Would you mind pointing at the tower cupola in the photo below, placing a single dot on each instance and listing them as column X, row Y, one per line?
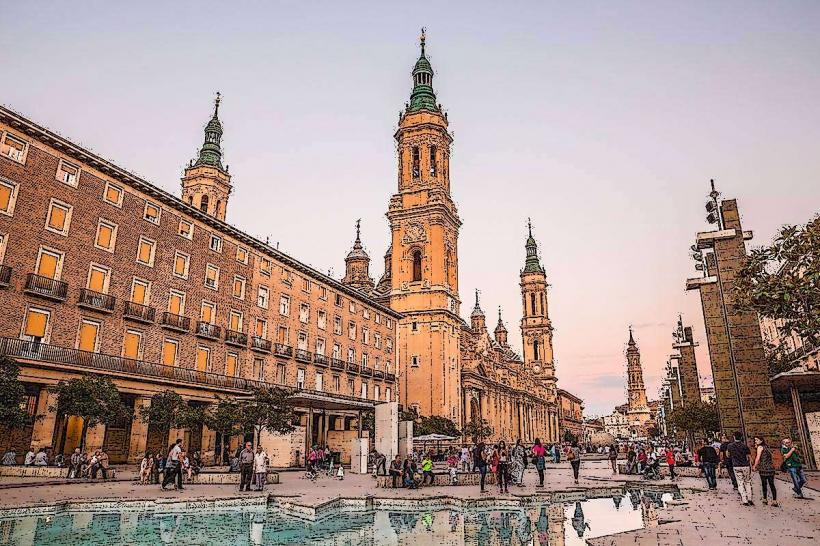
column 500, row 330
column 477, row 319
column 357, row 265
column 423, row 97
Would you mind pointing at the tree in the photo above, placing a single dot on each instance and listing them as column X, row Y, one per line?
column 270, row 409
column 478, row 430
column 435, row 424
column 94, row 398
column 12, row 396
column 224, row 417
column 569, row 436
column 695, row 417
column 782, row 280
column 169, row 410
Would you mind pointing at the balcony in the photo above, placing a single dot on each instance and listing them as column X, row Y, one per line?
column 337, row 364
column 367, row 371
column 96, row 301
column 260, row 344
column 303, row 356
column 232, row 337
column 138, row 312
column 5, row 275
column 320, row 360
column 46, row 287
column 352, row 367
column 390, row 377
column 208, row 330
column 175, row 322
column 280, row 349
column 378, row 374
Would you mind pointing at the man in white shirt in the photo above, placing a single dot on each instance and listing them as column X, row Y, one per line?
column 29, row 458
column 260, row 467
column 173, row 466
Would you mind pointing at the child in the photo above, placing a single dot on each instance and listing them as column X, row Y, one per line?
column 452, row 464
column 340, row 473
column 145, row 468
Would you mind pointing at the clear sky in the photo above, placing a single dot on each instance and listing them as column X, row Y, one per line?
column 603, row 123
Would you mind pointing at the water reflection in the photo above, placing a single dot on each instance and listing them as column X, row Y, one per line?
column 558, row 524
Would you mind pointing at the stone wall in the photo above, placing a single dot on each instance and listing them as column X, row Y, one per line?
column 282, row 448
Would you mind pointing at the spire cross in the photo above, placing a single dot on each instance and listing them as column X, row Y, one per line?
column 529, row 225
column 499, row 313
column 216, row 103
column 423, row 39
column 476, row 297
column 358, row 226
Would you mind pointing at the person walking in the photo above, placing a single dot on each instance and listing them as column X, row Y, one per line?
column 539, row 455
column 74, row 463
column 740, row 454
column 173, row 466
column 395, row 471
column 518, row 459
column 726, row 460
column 574, row 457
column 709, row 459
column 260, row 467
column 480, row 463
column 613, row 458
column 465, row 459
column 145, row 468
column 502, row 457
column 670, row 462
column 381, row 463
column 794, row 465
column 103, row 460
column 764, row 466
column 246, row 467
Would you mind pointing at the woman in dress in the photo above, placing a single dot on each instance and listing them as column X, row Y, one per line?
column 539, row 455
column 764, row 466
column 502, row 467
column 517, row 458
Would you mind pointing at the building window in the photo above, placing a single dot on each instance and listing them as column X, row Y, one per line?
column 300, row 378
column 262, row 296
column 203, row 358
column 140, row 291
column 364, row 390
column 304, row 313
column 337, row 325
column 321, row 319
column 352, row 307
column 389, row 345
column 284, row 305
column 88, row 336
column 365, row 336
column 152, row 213
column 4, row 239
column 231, row 368
column 186, row 229
column 323, row 293
column 132, row 345
column 532, row 303
column 390, row 323
column 414, row 361
column 281, row 378
column 337, row 383
column 242, row 255
column 414, row 326
column 416, row 265
column 351, row 330
column 208, row 312
column 261, row 329
column 68, row 173
column 258, row 369
column 113, row 194
column 235, row 321
column 378, row 318
column 351, row 386
column 387, row 394
column 283, row 336
column 50, row 263
column 8, row 197
column 364, row 360
column 170, row 350
column 287, row 277
column 337, row 351
column 535, row 350
column 239, row 287
column 301, row 341
column 35, row 327
column 212, row 277
column 377, row 392
column 176, row 302
column 306, row 285
column 366, row 313
column 338, row 300
column 98, row 278
column 320, row 346
column 377, row 340
column 265, row 266
column 181, row 264
column 432, row 161
column 215, row 243
column 319, row 381
column 106, row 238
column 15, row 148
column 351, row 355
column 416, row 170
column 58, row 217
column 145, row 251
column 203, row 203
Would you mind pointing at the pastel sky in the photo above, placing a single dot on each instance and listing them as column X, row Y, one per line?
column 604, row 123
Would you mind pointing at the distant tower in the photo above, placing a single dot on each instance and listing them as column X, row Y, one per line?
column 207, row 184
column 477, row 319
column 536, row 328
column 500, row 331
column 357, row 265
column 687, row 363
column 638, row 412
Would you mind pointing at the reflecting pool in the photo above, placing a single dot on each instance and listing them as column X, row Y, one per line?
column 533, row 523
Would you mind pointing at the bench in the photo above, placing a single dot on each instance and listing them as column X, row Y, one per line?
column 442, row 478
column 683, row 471
column 213, row 478
column 56, row 472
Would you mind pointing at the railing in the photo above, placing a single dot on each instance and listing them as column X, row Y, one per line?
column 139, row 312
column 353, row 368
column 236, row 338
column 208, row 330
column 378, row 374
column 390, row 377
column 46, row 287
column 260, row 344
column 96, row 300
column 175, row 322
column 303, row 356
column 5, row 275
column 337, row 364
column 366, row 370
column 320, row 360
column 280, row 349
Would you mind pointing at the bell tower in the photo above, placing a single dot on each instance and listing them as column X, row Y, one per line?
column 357, row 265
column 536, row 328
column 424, row 258
column 206, row 184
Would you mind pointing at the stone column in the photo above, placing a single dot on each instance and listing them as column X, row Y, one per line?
column 139, row 431
column 208, row 452
column 688, row 368
column 173, row 434
column 94, row 438
column 43, row 432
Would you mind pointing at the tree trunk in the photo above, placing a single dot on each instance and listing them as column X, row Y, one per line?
column 82, row 434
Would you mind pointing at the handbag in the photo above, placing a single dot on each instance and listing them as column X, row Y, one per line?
column 570, row 455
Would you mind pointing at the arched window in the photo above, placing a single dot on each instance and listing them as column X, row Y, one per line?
column 218, row 208
column 432, row 161
column 416, row 170
column 417, row 265
column 203, row 203
column 532, row 303
column 535, row 350
column 541, row 297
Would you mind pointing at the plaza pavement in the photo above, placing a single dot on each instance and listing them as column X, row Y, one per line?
column 711, row 517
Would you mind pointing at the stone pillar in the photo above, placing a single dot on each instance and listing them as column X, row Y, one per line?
column 43, row 433
column 173, row 434
column 308, row 434
column 208, row 452
column 387, row 429
column 94, row 438
column 139, row 431
column 688, row 368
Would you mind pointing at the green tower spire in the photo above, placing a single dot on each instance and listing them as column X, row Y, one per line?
column 423, row 97
column 211, row 152
column 532, row 264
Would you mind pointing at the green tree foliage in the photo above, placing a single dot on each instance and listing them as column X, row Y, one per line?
column 270, row 409
column 169, row 410
column 569, row 436
column 12, row 396
column 478, row 430
column 782, row 280
column 94, row 398
column 435, row 425
column 696, row 417
column 224, row 417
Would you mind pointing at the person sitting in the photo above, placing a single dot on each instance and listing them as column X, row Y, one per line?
column 145, row 468
column 59, row 460
column 41, row 459
column 396, row 470
column 427, row 470
column 452, row 465
column 10, row 458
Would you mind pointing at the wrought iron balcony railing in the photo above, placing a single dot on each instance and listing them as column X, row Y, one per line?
column 46, row 287
column 280, row 349
column 175, row 322
column 337, row 364
column 5, row 275
column 139, row 312
column 320, row 360
column 208, row 330
column 303, row 356
column 260, row 344
column 96, row 300
column 233, row 337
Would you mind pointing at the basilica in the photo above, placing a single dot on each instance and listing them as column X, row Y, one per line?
column 448, row 366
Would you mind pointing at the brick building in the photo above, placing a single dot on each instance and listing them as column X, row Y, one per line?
column 105, row 273
column 570, row 415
